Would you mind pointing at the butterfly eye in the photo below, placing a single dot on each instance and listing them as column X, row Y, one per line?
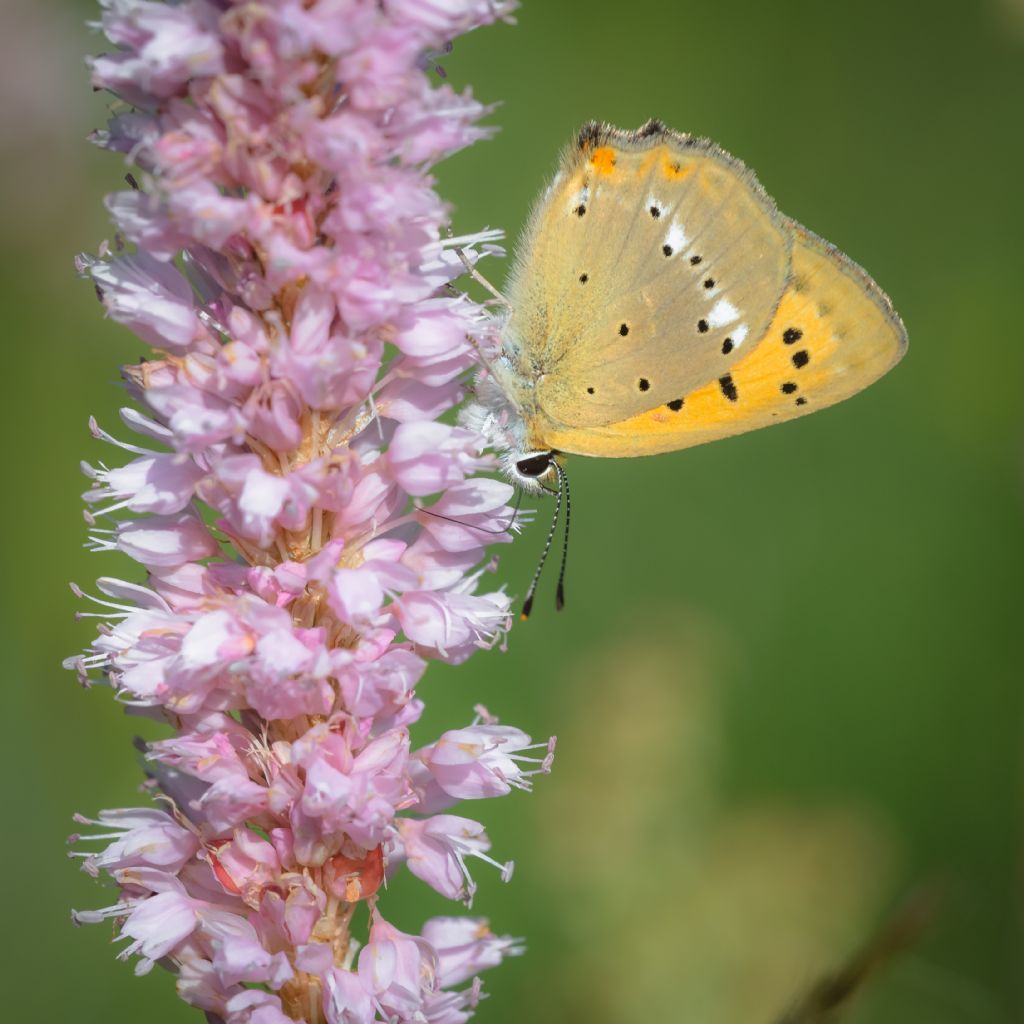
column 535, row 465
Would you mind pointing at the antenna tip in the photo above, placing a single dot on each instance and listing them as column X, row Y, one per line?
column 559, row 598
column 527, row 605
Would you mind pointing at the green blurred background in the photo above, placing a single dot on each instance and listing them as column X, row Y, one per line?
column 786, row 686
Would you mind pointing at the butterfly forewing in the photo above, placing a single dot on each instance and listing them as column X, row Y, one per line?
column 656, row 261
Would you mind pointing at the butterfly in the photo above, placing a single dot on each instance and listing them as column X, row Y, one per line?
column 658, row 300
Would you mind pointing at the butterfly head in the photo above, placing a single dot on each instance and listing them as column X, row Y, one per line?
column 535, row 472
column 494, row 415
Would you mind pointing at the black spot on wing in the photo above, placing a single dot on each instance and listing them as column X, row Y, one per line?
column 801, row 358
column 675, row 405
column 728, row 387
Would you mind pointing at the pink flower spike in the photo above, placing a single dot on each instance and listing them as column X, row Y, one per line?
column 308, row 531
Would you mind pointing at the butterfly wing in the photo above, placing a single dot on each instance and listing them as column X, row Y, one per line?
column 648, row 268
column 833, row 334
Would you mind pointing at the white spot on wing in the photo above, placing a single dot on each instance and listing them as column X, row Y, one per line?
column 723, row 312
column 676, row 237
column 739, row 335
column 580, row 199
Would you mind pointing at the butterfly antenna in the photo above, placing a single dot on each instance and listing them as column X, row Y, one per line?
column 528, row 603
column 563, row 482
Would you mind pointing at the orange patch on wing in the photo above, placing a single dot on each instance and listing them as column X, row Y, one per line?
column 758, row 377
column 673, row 168
column 603, row 159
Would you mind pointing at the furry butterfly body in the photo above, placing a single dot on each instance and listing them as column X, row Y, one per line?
column 660, row 300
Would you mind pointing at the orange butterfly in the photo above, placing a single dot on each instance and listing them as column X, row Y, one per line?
column 660, row 300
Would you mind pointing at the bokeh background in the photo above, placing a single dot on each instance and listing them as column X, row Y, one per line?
column 787, row 683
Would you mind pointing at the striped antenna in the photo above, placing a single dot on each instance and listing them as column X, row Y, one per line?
column 563, row 484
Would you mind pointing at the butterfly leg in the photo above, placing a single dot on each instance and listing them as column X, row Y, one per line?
column 478, row 277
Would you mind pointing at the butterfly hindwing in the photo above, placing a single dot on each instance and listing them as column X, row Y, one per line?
column 655, row 260
column 834, row 333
